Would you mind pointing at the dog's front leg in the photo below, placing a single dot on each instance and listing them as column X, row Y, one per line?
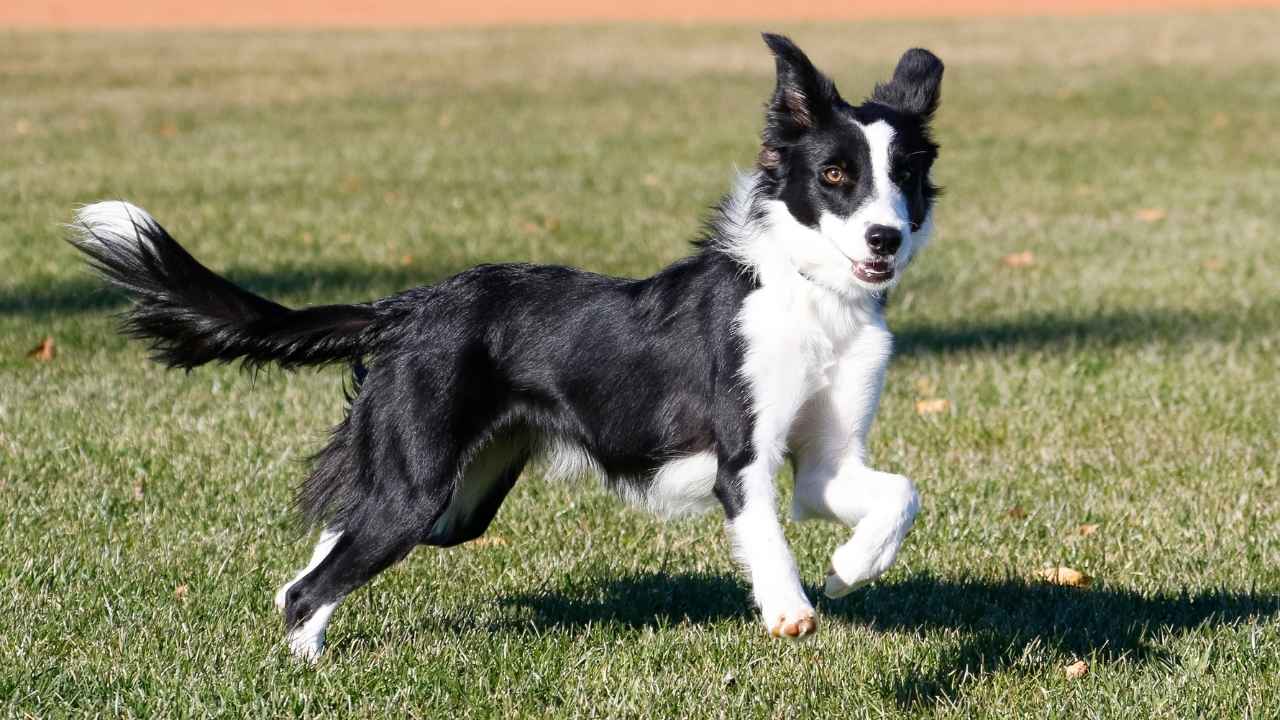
column 880, row 506
column 749, row 454
column 759, row 544
column 832, row 478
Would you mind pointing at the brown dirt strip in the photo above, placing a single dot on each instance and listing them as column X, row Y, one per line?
column 86, row 14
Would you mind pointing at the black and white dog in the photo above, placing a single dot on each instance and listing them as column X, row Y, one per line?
column 684, row 390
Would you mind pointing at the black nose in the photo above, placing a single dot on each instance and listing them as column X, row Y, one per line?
column 883, row 240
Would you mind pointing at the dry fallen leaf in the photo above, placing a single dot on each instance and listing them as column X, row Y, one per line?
column 650, row 180
column 933, row 406
column 180, row 592
column 43, row 352
column 1213, row 263
column 488, row 541
column 1087, row 529
column 168, row 129
column 1150, row 215
column 22, row 126
column 406, row 260
column 1017, row 512
column 1019, row 259
column 926, row 387
column 1066, row 577
column 1077, row 670
column 1220, row 120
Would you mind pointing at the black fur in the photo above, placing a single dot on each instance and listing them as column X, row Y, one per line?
column 191, row 316
column 617, row 367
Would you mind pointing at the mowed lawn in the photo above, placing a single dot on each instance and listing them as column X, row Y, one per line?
column 1113, row 397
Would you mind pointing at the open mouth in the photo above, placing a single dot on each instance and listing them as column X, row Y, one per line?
column 874, row 271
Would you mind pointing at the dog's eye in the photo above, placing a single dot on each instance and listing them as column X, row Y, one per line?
column 906, row 177
column 833, row 175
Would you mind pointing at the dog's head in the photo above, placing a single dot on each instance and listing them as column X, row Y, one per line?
column 847, row 187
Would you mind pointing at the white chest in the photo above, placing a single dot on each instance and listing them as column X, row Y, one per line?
column 796, row 336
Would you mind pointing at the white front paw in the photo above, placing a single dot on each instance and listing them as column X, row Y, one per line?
column 796, row 623
column 851, row 568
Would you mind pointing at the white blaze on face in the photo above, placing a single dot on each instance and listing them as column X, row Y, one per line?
column 889, row 206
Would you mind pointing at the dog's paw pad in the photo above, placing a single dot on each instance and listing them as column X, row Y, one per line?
column 795, row 625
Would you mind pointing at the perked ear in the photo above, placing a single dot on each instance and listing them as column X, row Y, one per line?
column 804, row 96
column 915, row 87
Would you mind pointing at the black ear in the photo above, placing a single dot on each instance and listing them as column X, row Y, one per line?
column 804, row 96
column 916, row 83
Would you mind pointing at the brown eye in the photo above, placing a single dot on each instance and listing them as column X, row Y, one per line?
column 833, row 175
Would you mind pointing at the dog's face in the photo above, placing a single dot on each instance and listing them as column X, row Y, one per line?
column 847, row 187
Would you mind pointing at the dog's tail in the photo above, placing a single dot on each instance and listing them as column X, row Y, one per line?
column 191, row 315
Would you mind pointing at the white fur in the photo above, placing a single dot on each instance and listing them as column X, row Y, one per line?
column 782, row 326
column 761, row 547
column 567, row 460
column 794, row 333
column 328, row 538
column 884, row 506
column 114, row 222
column 832, row 479
column 683, row 486
column 306, row 641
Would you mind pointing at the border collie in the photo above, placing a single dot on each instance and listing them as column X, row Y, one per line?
column 684, row 390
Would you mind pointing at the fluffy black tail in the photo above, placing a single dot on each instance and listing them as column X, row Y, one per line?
column 191, row 316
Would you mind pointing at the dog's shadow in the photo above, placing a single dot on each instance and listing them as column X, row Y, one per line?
column 1000, row 624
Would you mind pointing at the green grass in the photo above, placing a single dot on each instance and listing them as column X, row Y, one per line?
column 1129, row 378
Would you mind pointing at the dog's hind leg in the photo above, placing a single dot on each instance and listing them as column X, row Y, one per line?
column 387, row 474
column 489, row 475
column 419, row 460
column 328, row 538
column 355, row 558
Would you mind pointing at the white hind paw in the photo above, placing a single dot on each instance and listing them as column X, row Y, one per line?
column 306, row 641
column 306, row 647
